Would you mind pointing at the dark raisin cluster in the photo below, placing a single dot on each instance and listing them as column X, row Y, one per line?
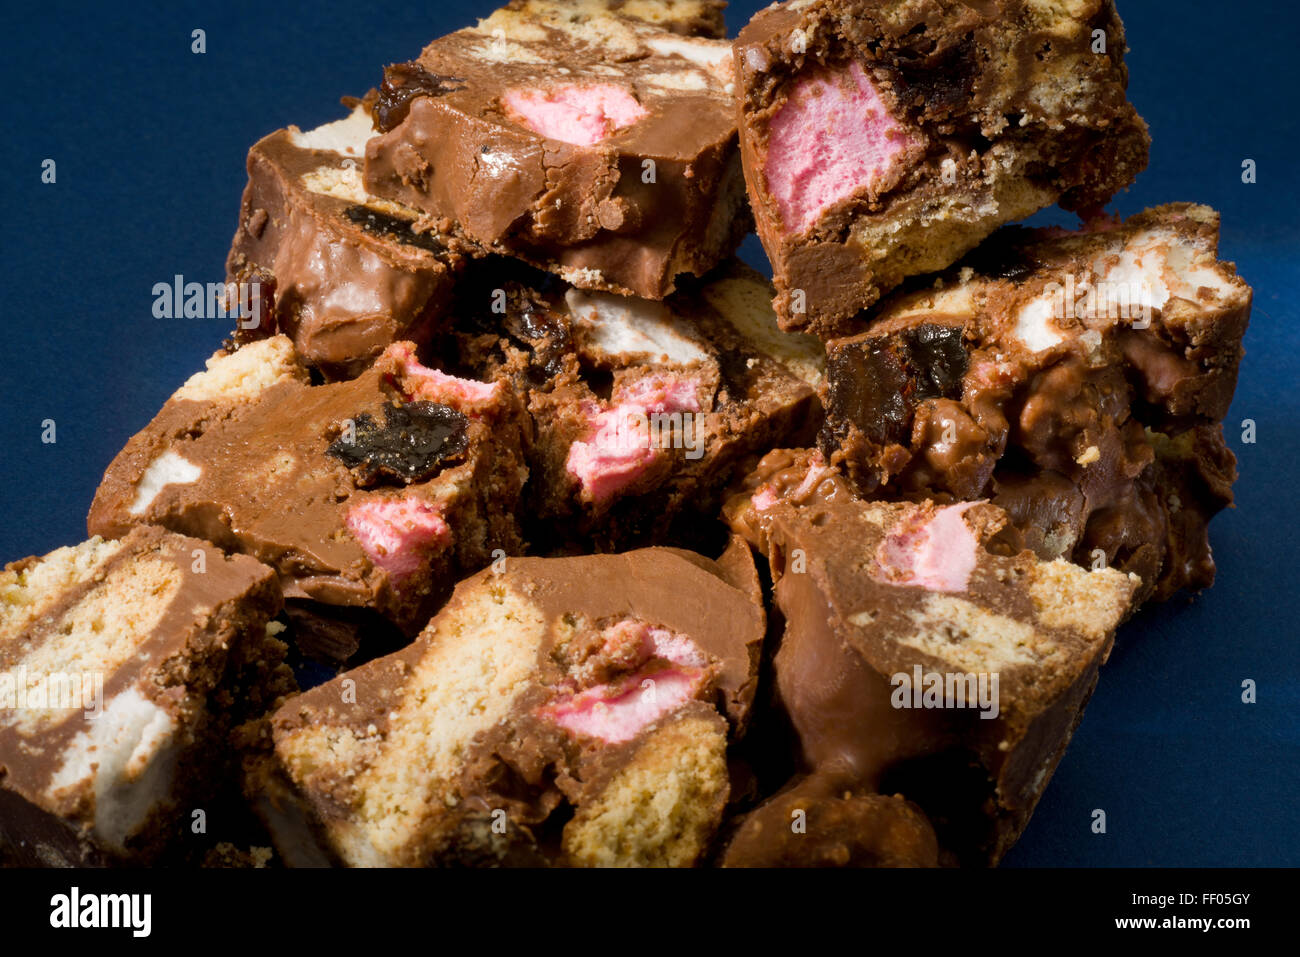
column 416, row 441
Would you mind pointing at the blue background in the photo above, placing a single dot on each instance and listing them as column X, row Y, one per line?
column 150, row 141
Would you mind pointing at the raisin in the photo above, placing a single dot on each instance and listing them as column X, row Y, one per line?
column 875, row 383
column 868, row 385
column 939, row 360
column 537, row 328
column 402, row 83
column 416, row 441
column 390, row 227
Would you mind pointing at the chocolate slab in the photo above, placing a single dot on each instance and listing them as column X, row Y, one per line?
column 602, row 149
column 600, row 687
column 373, row 493
column 124, row 669
column 881, row 141
column 925, row 653
column 1056, row 373
column 345, row 274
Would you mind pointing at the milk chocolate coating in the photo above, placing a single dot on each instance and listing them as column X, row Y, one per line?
column 657, row 198
column 979, row 86
column 847, row 633
column 349, row 277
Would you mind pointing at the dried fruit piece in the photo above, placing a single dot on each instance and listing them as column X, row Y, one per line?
column 415, row 442
column 402, row 83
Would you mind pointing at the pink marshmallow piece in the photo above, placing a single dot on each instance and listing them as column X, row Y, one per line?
column 936, row 553
column 615, row 457
column 832, row 137
column 398, row 534
column 661, row 393
column 619, row 711
column 466, row 395
column 676, row 648
column 581, row 114
column 619, row 448
column 448, row 389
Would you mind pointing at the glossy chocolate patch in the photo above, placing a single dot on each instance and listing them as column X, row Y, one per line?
column 938, row 359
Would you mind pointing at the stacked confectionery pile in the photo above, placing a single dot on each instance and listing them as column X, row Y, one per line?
column 488, row 474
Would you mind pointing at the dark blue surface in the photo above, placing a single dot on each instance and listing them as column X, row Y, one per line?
column 150, row 140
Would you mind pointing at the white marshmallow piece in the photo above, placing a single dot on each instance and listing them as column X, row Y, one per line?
column 622, row 327
column 167, row 469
